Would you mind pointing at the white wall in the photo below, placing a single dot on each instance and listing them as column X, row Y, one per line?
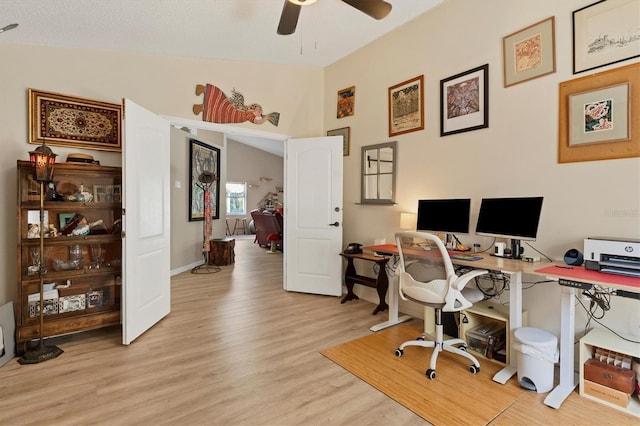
column 165, row 85
column 515, row 156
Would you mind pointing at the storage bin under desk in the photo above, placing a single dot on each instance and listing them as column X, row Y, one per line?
column 487, row 312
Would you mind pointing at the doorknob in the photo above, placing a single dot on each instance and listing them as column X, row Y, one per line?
column 336, row 224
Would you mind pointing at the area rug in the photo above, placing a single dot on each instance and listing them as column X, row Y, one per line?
column 455, row 396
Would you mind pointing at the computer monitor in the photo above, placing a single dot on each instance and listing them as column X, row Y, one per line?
column 450, row 216
column 516, row 218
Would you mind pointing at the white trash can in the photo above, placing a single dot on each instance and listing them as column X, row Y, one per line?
column 537, row 353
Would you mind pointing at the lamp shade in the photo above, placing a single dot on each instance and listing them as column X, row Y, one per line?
column 43, row 159
column 408, row 220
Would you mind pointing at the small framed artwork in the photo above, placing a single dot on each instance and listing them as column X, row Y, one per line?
column 64, row 219
column 604, row 33
column 344, row 132
column 107, row 193
column 464, row 101
column 64, row 120
column 203, row 158
column 600, row 115
column 406, row 106
column 346, row 102
column 529, row 53
column 596, row 119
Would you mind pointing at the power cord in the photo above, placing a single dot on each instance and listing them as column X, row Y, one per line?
column 591, row 317
column 548, row 258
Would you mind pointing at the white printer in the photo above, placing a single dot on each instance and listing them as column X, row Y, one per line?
column 613, row 255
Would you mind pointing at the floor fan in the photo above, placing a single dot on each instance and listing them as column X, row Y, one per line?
column 205, row 180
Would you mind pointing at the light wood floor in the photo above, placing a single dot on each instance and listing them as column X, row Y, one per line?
column 235, row 350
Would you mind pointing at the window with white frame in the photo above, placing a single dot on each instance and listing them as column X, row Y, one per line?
column 236, row 198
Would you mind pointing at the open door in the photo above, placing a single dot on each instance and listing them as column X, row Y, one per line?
column 313, row 215
column 146, row 283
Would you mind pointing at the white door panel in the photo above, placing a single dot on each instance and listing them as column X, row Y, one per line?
column 146, row 284
column 313, row 215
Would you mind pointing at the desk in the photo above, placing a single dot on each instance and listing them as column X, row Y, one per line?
column 511, row 267
column 577, row 275
column 380, row 283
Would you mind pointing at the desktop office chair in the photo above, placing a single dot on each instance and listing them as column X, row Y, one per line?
column 426, row 276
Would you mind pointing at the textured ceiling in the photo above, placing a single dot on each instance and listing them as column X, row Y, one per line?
column 243, row 30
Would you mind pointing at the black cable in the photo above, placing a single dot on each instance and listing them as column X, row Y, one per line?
column 596, row 320
column 548, row 258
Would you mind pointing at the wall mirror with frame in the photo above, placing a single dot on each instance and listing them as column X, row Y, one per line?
column 379, row 174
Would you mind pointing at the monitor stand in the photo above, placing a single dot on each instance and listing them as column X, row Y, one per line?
column 516, row 249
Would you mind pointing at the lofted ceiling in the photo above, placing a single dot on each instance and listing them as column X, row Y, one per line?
column 242, row 30
column 234, row 30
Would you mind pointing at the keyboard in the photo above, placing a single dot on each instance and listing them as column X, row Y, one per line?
column 465, row 257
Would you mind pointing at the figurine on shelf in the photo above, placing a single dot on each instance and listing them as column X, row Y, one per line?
column 52, row 193
column 53, row 231
column 34, row 231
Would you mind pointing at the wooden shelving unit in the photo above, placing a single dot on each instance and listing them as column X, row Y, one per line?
column 597, row 338
column 83, row 271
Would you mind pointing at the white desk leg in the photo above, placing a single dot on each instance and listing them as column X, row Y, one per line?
column 392, row 297
column 567, row 334
column 515, row 321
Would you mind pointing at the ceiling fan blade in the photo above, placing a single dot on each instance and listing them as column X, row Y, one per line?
column 289, row 18
column 8, row 27
column 377, row 9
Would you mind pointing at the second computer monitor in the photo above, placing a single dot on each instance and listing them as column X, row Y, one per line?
column 450, row 216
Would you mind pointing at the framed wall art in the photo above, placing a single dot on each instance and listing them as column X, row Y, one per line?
column 64, row 120
column 596, row 116
column 529, row 53
column 346, row 143
column 346, row 102
column 464, row 101
column 406, row 106
column 203, row 158
column 604, row 33
column 64, row 219
column 107, row 193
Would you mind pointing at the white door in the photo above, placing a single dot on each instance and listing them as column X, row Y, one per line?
column 146, row 283
column 313, row 215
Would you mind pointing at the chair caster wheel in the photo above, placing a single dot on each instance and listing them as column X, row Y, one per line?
column 463, row 348
column 474, row 369
column 420, row 338
column 399, row 352
column 431, row 374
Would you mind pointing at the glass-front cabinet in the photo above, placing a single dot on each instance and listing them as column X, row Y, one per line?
column 82, row 250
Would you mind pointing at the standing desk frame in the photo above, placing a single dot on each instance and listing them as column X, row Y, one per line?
column 511, row 267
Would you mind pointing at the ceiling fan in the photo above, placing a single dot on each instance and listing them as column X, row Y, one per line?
column 8, row 27
column 377, row 9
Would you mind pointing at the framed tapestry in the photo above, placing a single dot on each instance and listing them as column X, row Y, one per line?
column 464, row 101
column 346, row 102
column 604, row 33
column 529, row 53
column 596, row 116
column 64, row 120
column 346, row 143
column 203, row 158
column 406, row 106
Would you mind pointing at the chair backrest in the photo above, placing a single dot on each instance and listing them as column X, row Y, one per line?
column 426, row 274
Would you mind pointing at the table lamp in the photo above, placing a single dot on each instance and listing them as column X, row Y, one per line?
column 408, row 221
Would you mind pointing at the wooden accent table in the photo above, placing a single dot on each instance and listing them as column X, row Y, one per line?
column 222, row 251
column 381, row 283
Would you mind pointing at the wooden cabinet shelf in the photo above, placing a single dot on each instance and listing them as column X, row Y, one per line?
column 82, row 273
column 487, row 313
column 597, row 338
